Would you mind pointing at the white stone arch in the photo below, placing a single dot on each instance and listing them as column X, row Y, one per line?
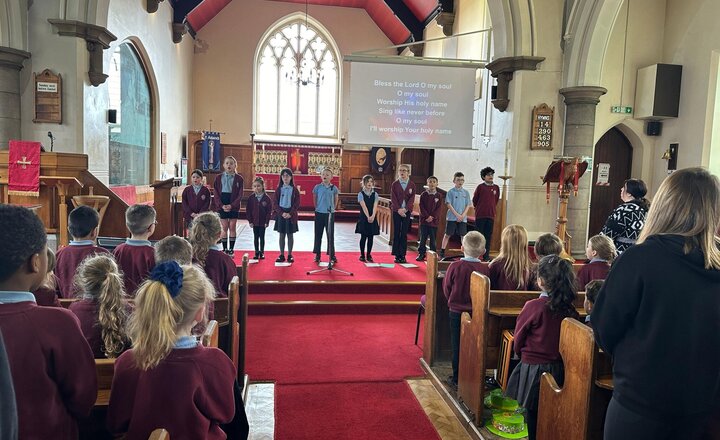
column 13, row 24
column 514, row 27
column 85, row 11
column 587, row 34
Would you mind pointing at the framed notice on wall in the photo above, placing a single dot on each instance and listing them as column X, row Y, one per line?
column 541, row 136
column 48, row 97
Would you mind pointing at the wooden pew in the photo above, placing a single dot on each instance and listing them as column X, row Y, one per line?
column 436, row 336
column 481, row 336
column 577, row 410
column 384, row 218
column 159, row 434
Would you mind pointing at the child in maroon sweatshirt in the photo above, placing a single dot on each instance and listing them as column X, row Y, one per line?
column 52, row 367
column 430, row 203
column 402, row 198
column 83, row 226
column 136, row 257
column 167, row 379
column 601, row 253
column 456, row 286
column 259, row 211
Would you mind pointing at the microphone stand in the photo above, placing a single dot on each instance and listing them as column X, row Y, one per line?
column 331, row 247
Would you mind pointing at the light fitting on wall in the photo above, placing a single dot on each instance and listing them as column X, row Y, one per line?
column 305, row 71
column 666, row 155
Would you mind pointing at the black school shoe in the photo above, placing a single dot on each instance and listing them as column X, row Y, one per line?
column 317, row 258
column 333, row 259
column 370, row 258
column 420, row 257
column 280, row 259
column 362, row 258
column 290, row 258
column 261, row 255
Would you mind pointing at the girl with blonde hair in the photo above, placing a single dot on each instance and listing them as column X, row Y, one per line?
column 204, row 235
column 658, row 315
column 46, row 294
column 167, row 379
column 228, row 189
column 102, row 308
column 600, row 252
column 511, row 269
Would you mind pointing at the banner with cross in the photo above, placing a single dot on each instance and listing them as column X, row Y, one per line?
column 24, row 168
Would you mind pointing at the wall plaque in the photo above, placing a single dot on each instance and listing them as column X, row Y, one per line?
column 542, row 127
column 48, row 97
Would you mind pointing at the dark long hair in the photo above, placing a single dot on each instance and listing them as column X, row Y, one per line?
column 285, row 171
column 559, row 281
column 637, row 189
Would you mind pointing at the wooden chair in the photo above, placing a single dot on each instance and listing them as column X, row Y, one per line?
column 564, row 412
column 98, row 203
column 159, row 434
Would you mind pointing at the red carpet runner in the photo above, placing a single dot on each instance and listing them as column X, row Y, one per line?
column 340, row 376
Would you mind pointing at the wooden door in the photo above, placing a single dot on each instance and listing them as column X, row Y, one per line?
column 613, row 148
column 422, row 162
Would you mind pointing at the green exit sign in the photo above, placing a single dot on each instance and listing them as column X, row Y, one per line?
column 621, row 109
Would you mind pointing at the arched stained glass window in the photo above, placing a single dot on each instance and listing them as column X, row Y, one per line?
column 297, row 79
column 131, row 134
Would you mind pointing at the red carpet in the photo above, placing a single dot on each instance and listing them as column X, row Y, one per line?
column 332, row 348
column 356, row 411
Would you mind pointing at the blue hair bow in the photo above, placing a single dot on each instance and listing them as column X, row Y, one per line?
column 170, row 274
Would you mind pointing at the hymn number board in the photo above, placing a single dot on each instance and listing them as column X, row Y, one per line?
column 542, row 127
column 48, row 97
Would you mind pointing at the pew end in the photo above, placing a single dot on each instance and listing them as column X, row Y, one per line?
column 210, row 335
column 104, row 370
column 159, row 434
column 564, row 412
column 473, row 343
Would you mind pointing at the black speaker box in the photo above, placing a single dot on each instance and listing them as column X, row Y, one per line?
column 653, row 128
column 112, row 116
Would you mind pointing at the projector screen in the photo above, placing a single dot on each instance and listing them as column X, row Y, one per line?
column 411, row 105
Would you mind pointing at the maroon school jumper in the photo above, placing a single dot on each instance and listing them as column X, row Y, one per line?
column 430, row 205
column 221, row 269
column 259, row 212
column 195, row 203
column 398, row 195
column 485, row 200
column 456, row 284
column 294, row 204
column 190, row 393
column 235, row 197
column 499, row 281
column 46, row 297
column 87, row 312
column 537, row 333
column 52, row 367
column 68, row 260
column 136, row 259
column 594, row 270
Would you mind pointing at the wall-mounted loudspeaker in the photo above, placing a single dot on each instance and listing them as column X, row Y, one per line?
column 653, row 128
column 112, row 116
column 657, row 92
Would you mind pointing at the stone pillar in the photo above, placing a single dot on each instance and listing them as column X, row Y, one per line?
column 11, row 63
column 580, row 103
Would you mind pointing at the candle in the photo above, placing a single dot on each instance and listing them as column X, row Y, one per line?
column 507, row 155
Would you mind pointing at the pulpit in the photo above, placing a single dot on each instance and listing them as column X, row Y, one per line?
column 98, row 203
column 62, row 184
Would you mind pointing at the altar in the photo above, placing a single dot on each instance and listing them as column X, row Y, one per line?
column 306, row 162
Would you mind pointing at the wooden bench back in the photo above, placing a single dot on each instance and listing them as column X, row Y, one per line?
column 159, row 434
column 104, row 370
column 563, row 412
column 436, row 334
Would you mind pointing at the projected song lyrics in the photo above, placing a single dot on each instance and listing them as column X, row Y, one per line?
column 412, row 109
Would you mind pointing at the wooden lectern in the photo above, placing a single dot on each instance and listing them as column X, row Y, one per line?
column 62, row 184
column 165, row 193
column 565, row 171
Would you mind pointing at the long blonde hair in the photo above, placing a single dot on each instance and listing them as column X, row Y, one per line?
column 604, row 246
column 50, row 278
column 514, row 255
column 688, row 204
column 205, row 232
column 154, row 326
column 99, row 277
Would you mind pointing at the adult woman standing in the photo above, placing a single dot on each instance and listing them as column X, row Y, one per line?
column 658, row 315
column 625, row 223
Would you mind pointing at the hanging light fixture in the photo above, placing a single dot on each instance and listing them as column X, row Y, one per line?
column 302, row 72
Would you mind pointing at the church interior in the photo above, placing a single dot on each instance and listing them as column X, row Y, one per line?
column 564, row 100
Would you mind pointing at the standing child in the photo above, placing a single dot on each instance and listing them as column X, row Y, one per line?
column 83, row 227
column 325, row 198
column 485, row 201
column 367, row 225
column 259, row 211
column 46, row 294
column 457, row 200
column 430, row 204
column 173, row 248
column 287, row 202
column 136, row 257
column 167, row 379
column 228, row 190
column 102, row 308
column 195, row 198
column 219, row 267
column 537, row 335
column 402, row 199
column 511, row 269
column 601, row 253
column 51, row 363
column 456, row 286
